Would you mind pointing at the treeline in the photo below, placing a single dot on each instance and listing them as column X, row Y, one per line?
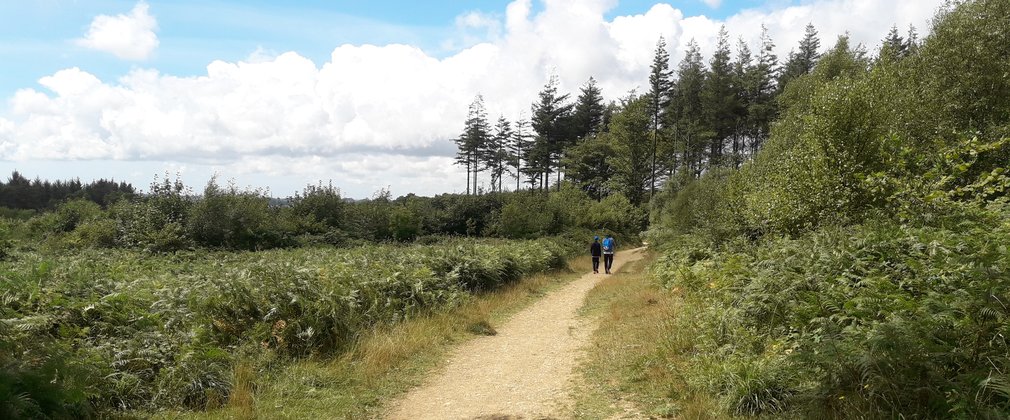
column 172, row 217
column 21, row 194
column 857, row 266
column 699, row 116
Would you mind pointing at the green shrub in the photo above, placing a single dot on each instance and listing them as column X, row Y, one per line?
column 322, row 205
column 404, row 224
column 100, row 233
column 526, row 216
column 233, row 219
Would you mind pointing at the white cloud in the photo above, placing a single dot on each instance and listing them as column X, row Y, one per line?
column 382, row 115
column 712, row 3
column 130, row 37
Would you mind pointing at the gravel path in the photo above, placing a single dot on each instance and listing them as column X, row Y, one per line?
column 523, row 372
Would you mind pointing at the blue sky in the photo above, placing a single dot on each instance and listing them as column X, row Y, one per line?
column 36, row 37
column 368, row 94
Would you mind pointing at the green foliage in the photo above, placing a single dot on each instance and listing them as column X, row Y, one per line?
column 67, row 217
column 587, row 165
column 322, row 208
column 615, row 214
column 94, row 331
column 535, row 214
column 629, row 134
column 233, row 219
column 856, row 267
column 875, row 320
column 157, row 222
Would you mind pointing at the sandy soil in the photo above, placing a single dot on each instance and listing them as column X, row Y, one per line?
column 523, row 372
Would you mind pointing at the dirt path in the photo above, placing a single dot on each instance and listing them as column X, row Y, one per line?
column 521, row 373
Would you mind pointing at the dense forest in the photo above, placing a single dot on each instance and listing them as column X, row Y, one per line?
column 18, row 193
column 832, row 229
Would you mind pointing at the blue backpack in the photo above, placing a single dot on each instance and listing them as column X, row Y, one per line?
column 608, row 244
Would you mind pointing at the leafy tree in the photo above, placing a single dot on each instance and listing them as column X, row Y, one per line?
column 318, row 209
column 404, row 224
column 588, row 165
column 233, row 219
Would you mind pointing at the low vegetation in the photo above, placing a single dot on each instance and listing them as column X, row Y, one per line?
column 169, row 300
column 98, row 330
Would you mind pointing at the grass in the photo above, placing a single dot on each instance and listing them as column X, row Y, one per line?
column 630, row 369
column 382, row 364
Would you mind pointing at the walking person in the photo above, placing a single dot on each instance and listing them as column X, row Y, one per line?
column 596, row 250
column 609, row 244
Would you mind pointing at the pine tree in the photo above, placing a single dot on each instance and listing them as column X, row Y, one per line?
column 761, row 107
column 476, row 135
column 499, row 155
column 911, row 41
column 803, row 61
column 589, row 111
column 550, row 122
column 686, row 111
column 742, row 69
column 519, row 150
column 629, row 135
column 893, row 48
column 719, row 100
column 659, row 99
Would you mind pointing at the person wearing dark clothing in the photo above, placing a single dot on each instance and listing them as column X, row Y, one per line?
column 609, row 245
column 596, row 250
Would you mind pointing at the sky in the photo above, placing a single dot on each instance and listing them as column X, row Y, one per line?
column 367, row 95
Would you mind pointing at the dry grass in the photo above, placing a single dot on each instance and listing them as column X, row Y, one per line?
column 630, row 371
column 241, row 401
column 384, row 362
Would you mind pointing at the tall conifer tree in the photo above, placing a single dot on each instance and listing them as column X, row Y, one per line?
column 659, row 99
column 589, row 110
column 761, row 108
column 550, row 119
column 499, row 152
column 476, row 135
column 802, row 61
column 686, row 109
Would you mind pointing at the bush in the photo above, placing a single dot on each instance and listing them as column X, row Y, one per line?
column 66, row 218
column 320, row 207
column 234, row 219
column 404, row 224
